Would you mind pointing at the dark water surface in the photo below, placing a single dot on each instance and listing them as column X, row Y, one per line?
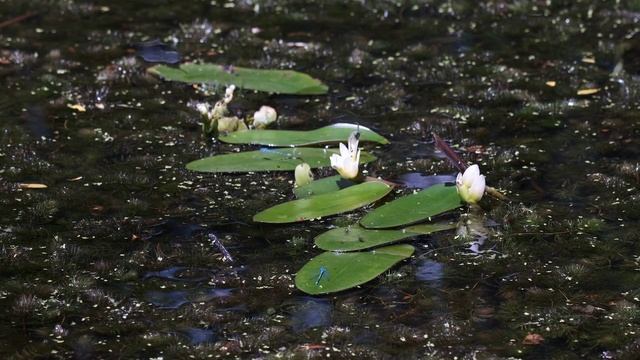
column 113, row 260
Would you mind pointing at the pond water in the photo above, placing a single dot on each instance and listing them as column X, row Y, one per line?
column 113, row 258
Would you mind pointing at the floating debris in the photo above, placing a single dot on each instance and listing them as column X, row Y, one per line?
column 77, row 107
column 32, row 186
column 533, row 339
column 589, row 91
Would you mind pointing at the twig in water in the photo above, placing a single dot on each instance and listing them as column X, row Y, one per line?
column 16, row 19
column 225, row 254
column 450, row 153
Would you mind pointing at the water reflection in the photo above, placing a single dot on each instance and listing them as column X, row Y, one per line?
column 180, row 273
column 176, row 299
column 420, row 181
column 199, row 336
column 310, row 313
column 430, row 272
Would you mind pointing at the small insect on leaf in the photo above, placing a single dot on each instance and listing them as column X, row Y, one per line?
column 322, row 272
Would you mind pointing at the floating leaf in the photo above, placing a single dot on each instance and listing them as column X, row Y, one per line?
column 319, row 206
column 273, row 81
column 267, row 159
column 328, row 134
column 413, row 208
column 357, row 238
column 336, row 271
column 322, row 186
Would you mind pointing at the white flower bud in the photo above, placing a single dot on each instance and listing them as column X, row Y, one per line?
column 263, row 117
column 471, row 184
column 303, row 174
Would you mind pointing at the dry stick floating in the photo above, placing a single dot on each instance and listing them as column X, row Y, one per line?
column 450, row 153
column 462, row 165
column 16, row 19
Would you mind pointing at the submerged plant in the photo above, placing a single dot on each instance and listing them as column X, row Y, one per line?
column 217, row 119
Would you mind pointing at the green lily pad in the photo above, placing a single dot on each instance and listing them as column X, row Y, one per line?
column 357, row 238
column 319, row 206
column 268, row 159
column 335, row 271
column 272, row 81
column 322, row 186
column 328, row 134
column 413, row 208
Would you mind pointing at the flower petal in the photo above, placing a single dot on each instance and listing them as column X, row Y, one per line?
column 354, row 138
column 477, row 189
column 470, row 175
column 336, row 161
column 344, row 151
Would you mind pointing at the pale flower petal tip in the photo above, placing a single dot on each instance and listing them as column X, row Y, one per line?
column 336, row 160
column 470, row 174
column 471, row 185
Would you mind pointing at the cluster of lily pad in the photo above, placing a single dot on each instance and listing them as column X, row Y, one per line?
column 354, row 254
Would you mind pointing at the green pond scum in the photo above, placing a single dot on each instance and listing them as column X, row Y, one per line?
column 104, row 234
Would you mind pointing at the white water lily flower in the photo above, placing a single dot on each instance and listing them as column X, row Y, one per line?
column 471, row 184
column 265, row 116
column 347, row 162
column 303, row 174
